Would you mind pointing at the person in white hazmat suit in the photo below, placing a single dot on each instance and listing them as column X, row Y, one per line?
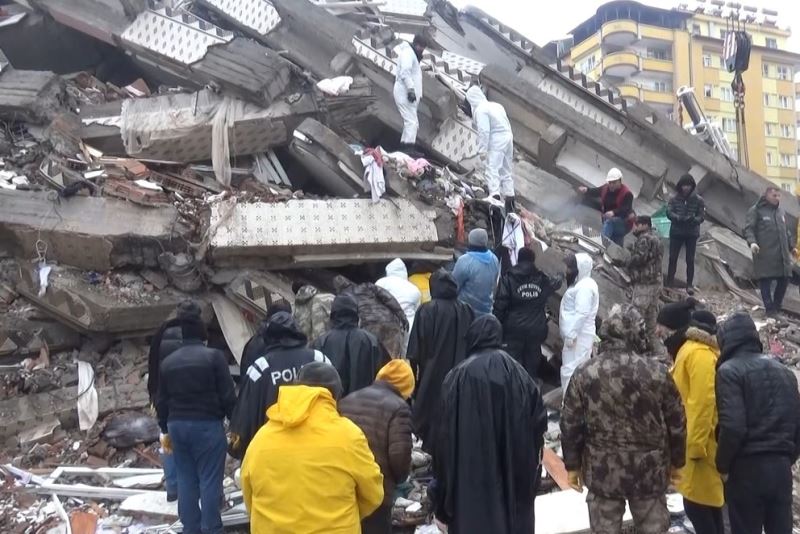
column 408, row 87
column 495, row 144
column 577, row 316
column 407, row 294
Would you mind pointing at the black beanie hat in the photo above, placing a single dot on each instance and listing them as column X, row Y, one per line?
column 677, row 315
column 321, row 375
column 704, row 320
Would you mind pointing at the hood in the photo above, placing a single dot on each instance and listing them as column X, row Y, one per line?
column 344, row 312
column 624, row 328
column 443, row 285
column 305, row 294
column 340, row 283
column 686, row 179
column 764, row 203
column 475, row 97
column 699, row 335
column 485, row 332
column 585, row 265
column 738, row 335
column 295, row 404
column 282, row 331
column 397, row 268
column 482, row 256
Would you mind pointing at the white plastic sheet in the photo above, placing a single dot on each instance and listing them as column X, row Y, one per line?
column 88, row 406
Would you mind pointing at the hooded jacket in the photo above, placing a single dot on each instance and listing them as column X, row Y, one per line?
column 489, row 439
column 520, row 302
column 757, row 398
column 354, row 352
column 491, row 122
column 766, row 226
column 167, row 340
column 693, row 372
column 309, row 469
column 646, row 253
column 438, row 343
column 397, row 284
column 580, row 303
column 378, row 312
column 312, row 310
column 285, row 353
column 686, row 212
column 622, row 422
column 476, row 274
column 409, row 72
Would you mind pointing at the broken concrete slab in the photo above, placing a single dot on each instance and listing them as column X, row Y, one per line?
column 235, row 327
column 31, row 96
column 23, row 337
column 257, row 291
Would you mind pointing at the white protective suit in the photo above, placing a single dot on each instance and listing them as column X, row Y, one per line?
column 407, row 294
column 576, row 319
column 495, row 140
column 409, row 76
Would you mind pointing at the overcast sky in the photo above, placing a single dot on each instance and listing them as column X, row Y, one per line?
column 543, row 21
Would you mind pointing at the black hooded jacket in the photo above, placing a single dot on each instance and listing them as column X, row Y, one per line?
column 285, row 352
column 166, row 340
column 686, row 212
column 520, row 302
column 489, row 435
column 354, row 352
column 438, row 343
column 757, row 398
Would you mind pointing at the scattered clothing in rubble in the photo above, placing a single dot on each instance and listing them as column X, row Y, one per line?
column 495, row 142
column 686, row 211
column 644, row 268
column 285, row 352
column 520, row 305
column 374, row 180
column 577, row 315
column 490, row 436
column 438, row 343
column 312, row 309
column 616, row 206
column 379, row 313
column 759, row 430
column 257, row 345
column 477, row 272
column 335, row 86
column 623, row 428
column 408, row 90
column 513, row 236
column 309, row 469
column 381, row 411
column 407, row 294
column 354, row 352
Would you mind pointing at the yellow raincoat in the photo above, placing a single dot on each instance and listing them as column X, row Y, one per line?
column 309, row 469
column 423, row 283
column 694, row 373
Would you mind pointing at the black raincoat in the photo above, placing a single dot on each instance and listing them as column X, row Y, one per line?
column 354, row 352
column 285, row 352
column 438, row 343
column 488, row 440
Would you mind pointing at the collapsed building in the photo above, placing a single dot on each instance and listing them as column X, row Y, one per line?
column 196, row 154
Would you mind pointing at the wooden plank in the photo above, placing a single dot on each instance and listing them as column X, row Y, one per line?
column 555, row 468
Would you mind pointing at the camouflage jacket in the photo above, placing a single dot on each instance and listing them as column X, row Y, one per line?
column 644, row 266
column 623, row 424
column 312, row 311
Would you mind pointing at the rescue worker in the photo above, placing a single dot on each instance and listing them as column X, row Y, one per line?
column 408, row 88
column 623, row 429
column 312, row 309
column 285, row 352
column 686, row 211
column 495, row 145
column 773, row 255
column 520, row 306
column 354, row 352
column 382, row 413
column 256, row 345
column 577, row 315
column 421, row 277
column 477, row 272
column 195, row 394
column 644, row 269
column 437, row 344
column 616, row 205
column 309, row 469
column 491, row 433
column 759, row 430
column 407, row 294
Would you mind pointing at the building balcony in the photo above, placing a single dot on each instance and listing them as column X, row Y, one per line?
column 657, row 97
column 661, row 66
column 619, row 32
column 627, row 90
column 655, row 33
column 620, row 64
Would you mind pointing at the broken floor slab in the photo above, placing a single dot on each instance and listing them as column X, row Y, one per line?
column 27, row 95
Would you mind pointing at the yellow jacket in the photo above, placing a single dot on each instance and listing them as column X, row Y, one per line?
column 309, row 470
column 694, row 373
column 423, row 283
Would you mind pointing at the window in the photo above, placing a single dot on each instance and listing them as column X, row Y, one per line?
column 658, row 53
column 783, row 101
column 723, row 33
column 786, row 131
column 784, row 72
column 661, row 87
column 770, row 159
column 771, row 43
column 769, row 129
column 787, row 187
column 725, row 93
column 786, row 160
column 765, row 69
column 728, row 124
column 695, row 29
column 708, row 90
column 706, row 60
column 766, row 100
column 588, row 64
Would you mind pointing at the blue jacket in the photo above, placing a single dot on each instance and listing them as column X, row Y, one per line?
column 476, row 274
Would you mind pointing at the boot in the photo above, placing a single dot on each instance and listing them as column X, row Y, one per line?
column 511, row 205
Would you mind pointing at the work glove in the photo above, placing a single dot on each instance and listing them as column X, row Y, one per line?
column 755, row 249
column 166, row 443
column 675, row 476
column 574, row 481
column 412, row 96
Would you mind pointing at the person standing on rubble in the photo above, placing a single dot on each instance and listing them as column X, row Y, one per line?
column 644, row 268
column 477, row 272
column 379, row 313
column 577, row 315
column 437, row 344
column 758, row 431
column 772, row 247
column 520, row 306
column 256, row 346
column 381, row 411
column 686, row 211
column 285, row 353
column 489, row 439
column 623, row 430
column 310, row 469
column 407, row 294
column 495, row 145
column 311, row 309
column 195, row 394
column 616, row 205
column 408, row 88
column 355, row 353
